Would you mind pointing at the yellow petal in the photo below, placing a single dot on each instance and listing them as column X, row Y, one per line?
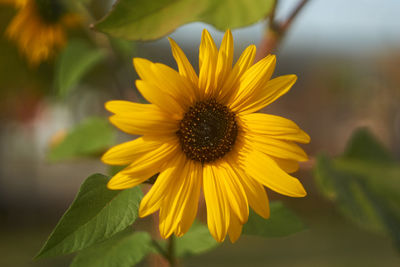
column 151, row 202
column 256, row 194
column 274, row 89
column 160, row 85
column 128, row 152
column 173, row 84
column 233, row 190
column 235, row 229
column 144, row 166
column 253, row 83
column 165, row 102
column 231, row 85
column 218, row 210
column 140, row 119
column 121, row 106
column 287, row 165
column 208, row 56
column 174, row 200
column 274, row 126
column 124, row 180
column 179, row 206
column 184, row 66
column 245, row 61
column 264, row 170
column 225, row 58
column 278, row 148
column 166, row 79
column 189, row 210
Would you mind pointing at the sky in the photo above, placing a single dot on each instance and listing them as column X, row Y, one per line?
column 353, row 26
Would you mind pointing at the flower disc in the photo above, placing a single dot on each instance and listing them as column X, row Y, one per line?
column 207, row 131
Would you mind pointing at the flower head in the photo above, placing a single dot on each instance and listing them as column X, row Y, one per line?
column 39, row 27
column 201, row 133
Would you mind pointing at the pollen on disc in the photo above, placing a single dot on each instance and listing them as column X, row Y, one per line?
column 207, row 131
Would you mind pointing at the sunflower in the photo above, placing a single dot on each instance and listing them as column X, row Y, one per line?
column 201, row 133
column 39, row 27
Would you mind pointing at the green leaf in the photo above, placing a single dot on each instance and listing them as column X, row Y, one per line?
column 123, row 250
column 90, row 138
column 148, row 20
column 124, row 48
column 114, row 169
column 364, row 183
column 381, row 177
column 282, row 222
column 349, row 191
column 95, row 215
column 76, row 60
column 364, row 146
column 196, row 241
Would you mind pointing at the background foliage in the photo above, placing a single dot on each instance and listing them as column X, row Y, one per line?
column 54, row 129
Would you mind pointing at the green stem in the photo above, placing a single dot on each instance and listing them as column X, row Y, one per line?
column 171, row 251
column 160, row 249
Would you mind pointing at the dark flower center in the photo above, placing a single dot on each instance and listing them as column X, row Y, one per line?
column 207, row 131
column 50, row 10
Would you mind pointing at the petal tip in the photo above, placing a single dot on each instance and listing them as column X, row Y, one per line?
column 307, row 138
column 228, row 33
column 172, row 44
column 137, row 60
column 119, row 182
column 108, row 158
column 142, row 211
column 292, row 77
column 252, row 47
column 264, row 213
column 108, row 105
column 219, row 239
column 140, row 63
column 205, row 32
column 112, row 185
column 302, row 192
column 145, row 209
column 164, row 233
column 233, row 239
column 104, row 158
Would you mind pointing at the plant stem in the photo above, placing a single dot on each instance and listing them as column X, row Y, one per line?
column 160, row 249
column 171, row 251
column 271, row 17
column 275, row 32
column 293, row 15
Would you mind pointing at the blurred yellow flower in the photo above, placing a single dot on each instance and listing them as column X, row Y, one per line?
column 38, row 28
column 201, row 133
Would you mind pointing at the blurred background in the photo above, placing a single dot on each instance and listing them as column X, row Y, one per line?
column 346, row 55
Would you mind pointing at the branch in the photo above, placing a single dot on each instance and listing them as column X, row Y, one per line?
column 295, row 12
column 275, row 31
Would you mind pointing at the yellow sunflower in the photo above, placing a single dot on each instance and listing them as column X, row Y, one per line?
column 201, row 133
column 39, row 27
